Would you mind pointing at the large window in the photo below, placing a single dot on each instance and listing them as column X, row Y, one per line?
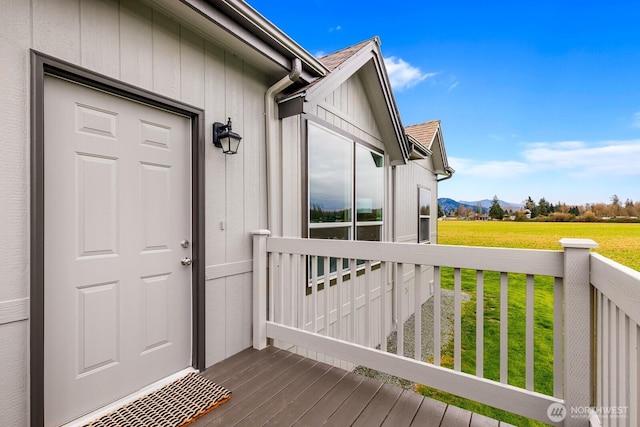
column 346, row 188
column 424, row 215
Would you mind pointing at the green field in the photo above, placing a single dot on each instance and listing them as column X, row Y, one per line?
column 620, row 242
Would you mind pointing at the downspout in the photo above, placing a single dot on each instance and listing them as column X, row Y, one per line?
column 271, row 135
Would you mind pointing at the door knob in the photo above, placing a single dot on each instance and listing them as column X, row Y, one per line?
column 186, row 261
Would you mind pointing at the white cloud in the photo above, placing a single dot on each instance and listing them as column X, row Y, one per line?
column 453, row 85
column 609, row 158
column 320, row 54
column 404, row 75
column 336, row 28
column 636, row 120
column 488, row 169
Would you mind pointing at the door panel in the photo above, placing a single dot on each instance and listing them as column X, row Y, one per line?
column 117, row 206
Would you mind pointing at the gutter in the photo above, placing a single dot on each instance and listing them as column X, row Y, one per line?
column 271, row 135
column 449, row 171
column 276, row 35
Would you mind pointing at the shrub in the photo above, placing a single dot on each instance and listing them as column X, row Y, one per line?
column 588, row 216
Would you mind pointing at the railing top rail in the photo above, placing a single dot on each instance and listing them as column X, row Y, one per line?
column 619, row 283
column 525, row 261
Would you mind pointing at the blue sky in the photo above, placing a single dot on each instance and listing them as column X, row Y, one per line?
column 537, row 99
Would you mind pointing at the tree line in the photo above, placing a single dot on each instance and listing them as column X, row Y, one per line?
column 546, row 211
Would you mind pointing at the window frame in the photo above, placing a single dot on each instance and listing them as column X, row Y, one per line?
column 354, row 223
column 421, row 189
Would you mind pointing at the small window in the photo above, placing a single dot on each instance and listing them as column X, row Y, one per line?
column 424, row 215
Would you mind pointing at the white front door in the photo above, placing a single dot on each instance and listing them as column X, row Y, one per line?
column 117, row 219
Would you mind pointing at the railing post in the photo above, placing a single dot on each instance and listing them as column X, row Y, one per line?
column 260, row 288
column 578, row 333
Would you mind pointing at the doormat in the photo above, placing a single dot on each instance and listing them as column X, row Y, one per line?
column 177, row 404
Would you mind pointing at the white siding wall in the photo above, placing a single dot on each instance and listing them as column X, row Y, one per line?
column 131, row 42
column 348, row 108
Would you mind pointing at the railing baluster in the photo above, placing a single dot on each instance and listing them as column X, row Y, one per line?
column 271, row 286
column 327, row 286
column 436, row 316
column 339, row 289
column 606, row 349
column 292, row 288
column 613, row 356
column 529, row 314
column 280, row 296
column 634, row 373
column 314, row 294
column 400, row 305
column 301, row 285
column 367, row 303
column 352, row 292
column 457, row 319
column 599, row 348
column 383, row 306
column 504, row 327
column 480, row 323
column 417, row 284
column 623, row 351
column 558, row 379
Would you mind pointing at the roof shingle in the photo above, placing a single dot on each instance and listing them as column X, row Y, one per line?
column 424, row 132
column 333, row 60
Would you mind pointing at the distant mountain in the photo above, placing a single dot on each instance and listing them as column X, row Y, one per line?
column 450, row 205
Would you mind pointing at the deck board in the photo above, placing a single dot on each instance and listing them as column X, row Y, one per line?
column 277, row 388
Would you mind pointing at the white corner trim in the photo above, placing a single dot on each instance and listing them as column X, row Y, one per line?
column 14, row 310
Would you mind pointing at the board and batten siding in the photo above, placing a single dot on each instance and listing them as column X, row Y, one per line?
column 131, row 42
column 347, row 107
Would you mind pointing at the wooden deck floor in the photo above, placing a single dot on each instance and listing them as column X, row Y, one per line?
column 277, row 388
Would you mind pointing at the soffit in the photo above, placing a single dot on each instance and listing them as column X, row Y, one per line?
column 237, row 27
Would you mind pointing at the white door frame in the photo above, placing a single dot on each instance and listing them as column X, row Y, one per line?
column 42, row 65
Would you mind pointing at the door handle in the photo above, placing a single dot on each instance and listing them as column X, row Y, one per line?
column 186, row 261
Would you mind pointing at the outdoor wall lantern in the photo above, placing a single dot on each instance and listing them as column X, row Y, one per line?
column 225, row 139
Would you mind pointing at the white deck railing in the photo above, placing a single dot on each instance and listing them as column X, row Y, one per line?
column 617, row 299
column 355, row 313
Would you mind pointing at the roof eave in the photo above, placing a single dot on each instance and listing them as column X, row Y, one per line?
column 236, row 26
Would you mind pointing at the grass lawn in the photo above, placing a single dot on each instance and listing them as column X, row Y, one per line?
column 620, row 242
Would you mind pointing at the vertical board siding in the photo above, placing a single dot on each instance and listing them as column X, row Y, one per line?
column 100, row 36
column 166, row 56
column 347, row 108
column 136, row 44
column 56, row 28
column 15, row 38
column 192, row 82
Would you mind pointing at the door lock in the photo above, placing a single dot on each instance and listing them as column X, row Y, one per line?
column 184, row 243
